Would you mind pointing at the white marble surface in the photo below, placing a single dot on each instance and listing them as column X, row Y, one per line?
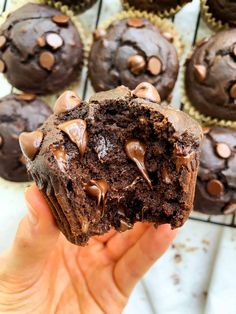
column 197, row 275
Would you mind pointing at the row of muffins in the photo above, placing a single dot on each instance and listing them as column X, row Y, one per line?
column 148, row 67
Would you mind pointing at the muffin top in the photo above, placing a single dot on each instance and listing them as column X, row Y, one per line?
column 210, row 76
column 216, row 184
column 224, row 10
column 156, row 5
column 125, row 58
column 40, row 49
column 18, row 113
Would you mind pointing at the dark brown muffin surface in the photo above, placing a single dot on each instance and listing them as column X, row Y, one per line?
column 223, row 10
column 156, row 5
column 216, row 183
column 120, row 159
column 78, row 6
column 210, row 76
column 132, row 51
column 18, row 113
column 40, row 49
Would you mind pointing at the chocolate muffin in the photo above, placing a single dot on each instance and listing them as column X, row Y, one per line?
column 40, row 49
column 18, row 113
column 125, row 58
column 216, row 183
column 210, row 76
column 156, row 5
column 119, row 159
column 78, row 6
column 223, row 10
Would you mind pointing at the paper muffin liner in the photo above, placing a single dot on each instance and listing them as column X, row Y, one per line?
column 162, row 14
column 164, row 25
column 209, row 18
column 204, row 120
column 16, row 4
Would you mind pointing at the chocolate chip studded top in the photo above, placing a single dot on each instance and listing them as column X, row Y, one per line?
column 40, row 49
column 79, row 6
column 210, row 76
column 126, row 58
column 216, row 184
column 156, row 5
column 223, row 10
column 18, row 113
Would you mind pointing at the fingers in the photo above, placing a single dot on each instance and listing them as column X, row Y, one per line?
column 36, row 236
column 141, row 256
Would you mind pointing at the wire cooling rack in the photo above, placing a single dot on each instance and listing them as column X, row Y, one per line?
column 227, row 221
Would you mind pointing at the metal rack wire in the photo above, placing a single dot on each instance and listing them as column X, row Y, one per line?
column 227, row 221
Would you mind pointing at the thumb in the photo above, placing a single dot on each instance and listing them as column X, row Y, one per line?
column 36, row 236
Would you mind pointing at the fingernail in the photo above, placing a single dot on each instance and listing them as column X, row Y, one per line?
column 32, row 216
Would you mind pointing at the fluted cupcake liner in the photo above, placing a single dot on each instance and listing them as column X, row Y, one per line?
column 209, row 18
column 162, row 14
column 16, row 4
column 204, row 120
column 164, row 25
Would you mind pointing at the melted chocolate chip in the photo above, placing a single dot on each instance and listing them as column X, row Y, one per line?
column 99, row 33
column 136, row 64
column 223, row 150
column 61, row 19
column 26, row 97
column 200, row 72
column 184, row 161
column 76, row 130
column 234, row 50
column 154, row 66
column 66, row 102
column 215, row 188
column 47, row 60
column 147, row 91
column 135, row 22
column 124, row 226
column 23, row 160
column 54, row 40
column 41, row 42
column 30, row 143
column 168, row 36
column 233, row 91
column 1, row 141
column 98, row 189
column 205, row 130
column 3, row 41
column 136, row 151
column 2, row 66
column 61, row 157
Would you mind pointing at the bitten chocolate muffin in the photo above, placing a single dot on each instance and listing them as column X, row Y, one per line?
column 210, row 76
column 18, row 113
column 156, row 5
column 216, row 183
column 125, row 58
column 223, row 10
column 119, row 159
column 40, row 49
column 78, row 6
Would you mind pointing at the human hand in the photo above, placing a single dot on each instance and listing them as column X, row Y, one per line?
column 43, row 273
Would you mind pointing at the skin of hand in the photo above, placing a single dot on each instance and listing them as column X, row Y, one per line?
column 43, row 273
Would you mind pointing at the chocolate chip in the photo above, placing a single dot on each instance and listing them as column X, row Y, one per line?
column 234, row 50
column 61, row 19
column 233, row 91
column 66, row 102
column 26, row 97
column 136, row 151
column 223, row 150
column 200, row 72
column 135, row 22
column 230, row 209
column 136, row 64
column 3, row 41
column 23, row 160
column 124, row 226
column 76, row 130
column 99, row 33
column 205, row 130
column 47, row 60
column 215, row 188
column 60, row 156
column 147, row 91
column 30, row 143
column 41, row 42
column 184, row 161
column 98, row 189
column 1, row 141
column 54, row 40
column 154, row 66
column 2, row 66
column 168, row 36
